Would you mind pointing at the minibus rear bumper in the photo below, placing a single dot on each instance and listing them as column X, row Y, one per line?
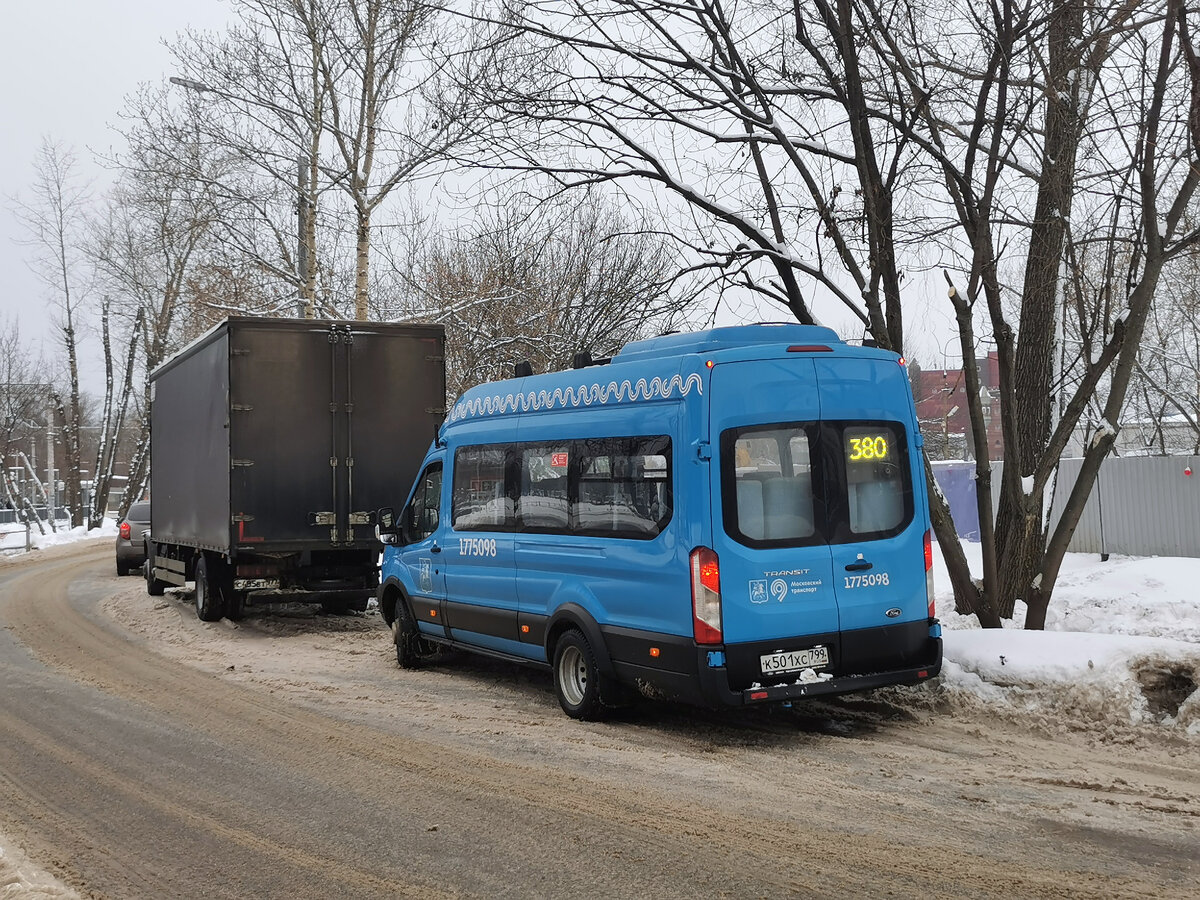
column 715, row 689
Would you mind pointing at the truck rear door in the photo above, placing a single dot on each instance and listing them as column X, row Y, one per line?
column 285, row 398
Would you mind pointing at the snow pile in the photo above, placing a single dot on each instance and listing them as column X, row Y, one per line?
column 1121, row 648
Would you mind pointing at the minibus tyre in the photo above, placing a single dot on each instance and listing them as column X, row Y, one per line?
column 410, row 648
column 576, row 678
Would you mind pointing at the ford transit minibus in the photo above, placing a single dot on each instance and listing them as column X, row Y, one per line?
column 728, row 517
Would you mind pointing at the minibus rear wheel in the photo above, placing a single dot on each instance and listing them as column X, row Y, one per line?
column 576, row 679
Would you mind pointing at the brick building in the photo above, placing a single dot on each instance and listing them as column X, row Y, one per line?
column 942, row 409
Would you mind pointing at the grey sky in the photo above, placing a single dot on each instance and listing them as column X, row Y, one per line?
column 65, row 67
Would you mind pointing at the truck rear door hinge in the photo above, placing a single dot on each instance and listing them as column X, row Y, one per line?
column 241, row 407
column 435, row 410
column 322, row 518
column 242, row 517
column 362, row 518
column 236, row 463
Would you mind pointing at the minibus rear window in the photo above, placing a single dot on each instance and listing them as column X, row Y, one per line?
column 876, row 478
column 771, row 488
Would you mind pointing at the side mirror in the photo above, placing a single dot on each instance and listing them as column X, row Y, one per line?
column 386, row 530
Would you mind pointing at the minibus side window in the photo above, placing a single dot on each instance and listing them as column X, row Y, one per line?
column 878, row 491
column 542, row 505
column 624, row 487
column 768, row 485
column 481, row 499
column 421, row 517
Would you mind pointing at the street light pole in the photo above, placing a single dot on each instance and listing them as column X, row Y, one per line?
column 302, row 201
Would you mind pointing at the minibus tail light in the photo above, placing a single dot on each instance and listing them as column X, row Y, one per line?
column 929, row 571
column 125, row 531
column 706, row 596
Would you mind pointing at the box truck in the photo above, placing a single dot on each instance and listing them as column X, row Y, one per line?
column 272, row 443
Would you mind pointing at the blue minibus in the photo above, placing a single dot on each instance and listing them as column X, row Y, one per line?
column 728, row 517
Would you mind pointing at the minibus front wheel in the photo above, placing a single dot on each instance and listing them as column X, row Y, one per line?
column 410, row 648
column 576, row 679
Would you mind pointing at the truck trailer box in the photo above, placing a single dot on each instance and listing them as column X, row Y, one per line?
column 272, row 443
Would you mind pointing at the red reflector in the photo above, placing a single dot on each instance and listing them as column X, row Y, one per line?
column 125, row 531
column 924, row 673
column 928, row 550
column 655, row 652
column 809, row 348
column 759, row 695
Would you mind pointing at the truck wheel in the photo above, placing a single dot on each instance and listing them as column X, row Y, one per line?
column 576, row 678
column 411, row 649
column 210, row 604
column 154, row 587
column 122, row 569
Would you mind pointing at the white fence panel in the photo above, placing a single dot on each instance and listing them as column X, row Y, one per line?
column 1140, row 506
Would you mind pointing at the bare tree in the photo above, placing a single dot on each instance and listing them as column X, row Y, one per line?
column 347, row 88
column 813, row 145
column 541, row 282
column 55, row 220
column 146, row 245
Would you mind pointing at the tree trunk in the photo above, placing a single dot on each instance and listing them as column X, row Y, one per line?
column 362, row 260
column 1020, row 532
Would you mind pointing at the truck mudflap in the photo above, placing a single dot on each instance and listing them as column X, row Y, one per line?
column 715, row 689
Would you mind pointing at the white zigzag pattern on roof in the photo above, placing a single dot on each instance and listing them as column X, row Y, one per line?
column 595, row 394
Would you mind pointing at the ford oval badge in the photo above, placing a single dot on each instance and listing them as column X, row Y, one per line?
column 893, row 612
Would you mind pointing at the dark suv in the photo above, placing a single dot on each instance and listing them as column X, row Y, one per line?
column 131, row 546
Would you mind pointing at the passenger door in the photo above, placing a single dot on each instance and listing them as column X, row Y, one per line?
column 777, row 580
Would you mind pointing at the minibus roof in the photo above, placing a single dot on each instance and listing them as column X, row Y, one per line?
column 725, row 339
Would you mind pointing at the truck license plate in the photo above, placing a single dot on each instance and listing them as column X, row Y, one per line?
column 794, row 660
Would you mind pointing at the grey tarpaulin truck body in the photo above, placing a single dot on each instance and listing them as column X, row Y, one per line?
column 273, row 441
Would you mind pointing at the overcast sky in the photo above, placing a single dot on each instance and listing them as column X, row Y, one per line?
column 65, row 67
